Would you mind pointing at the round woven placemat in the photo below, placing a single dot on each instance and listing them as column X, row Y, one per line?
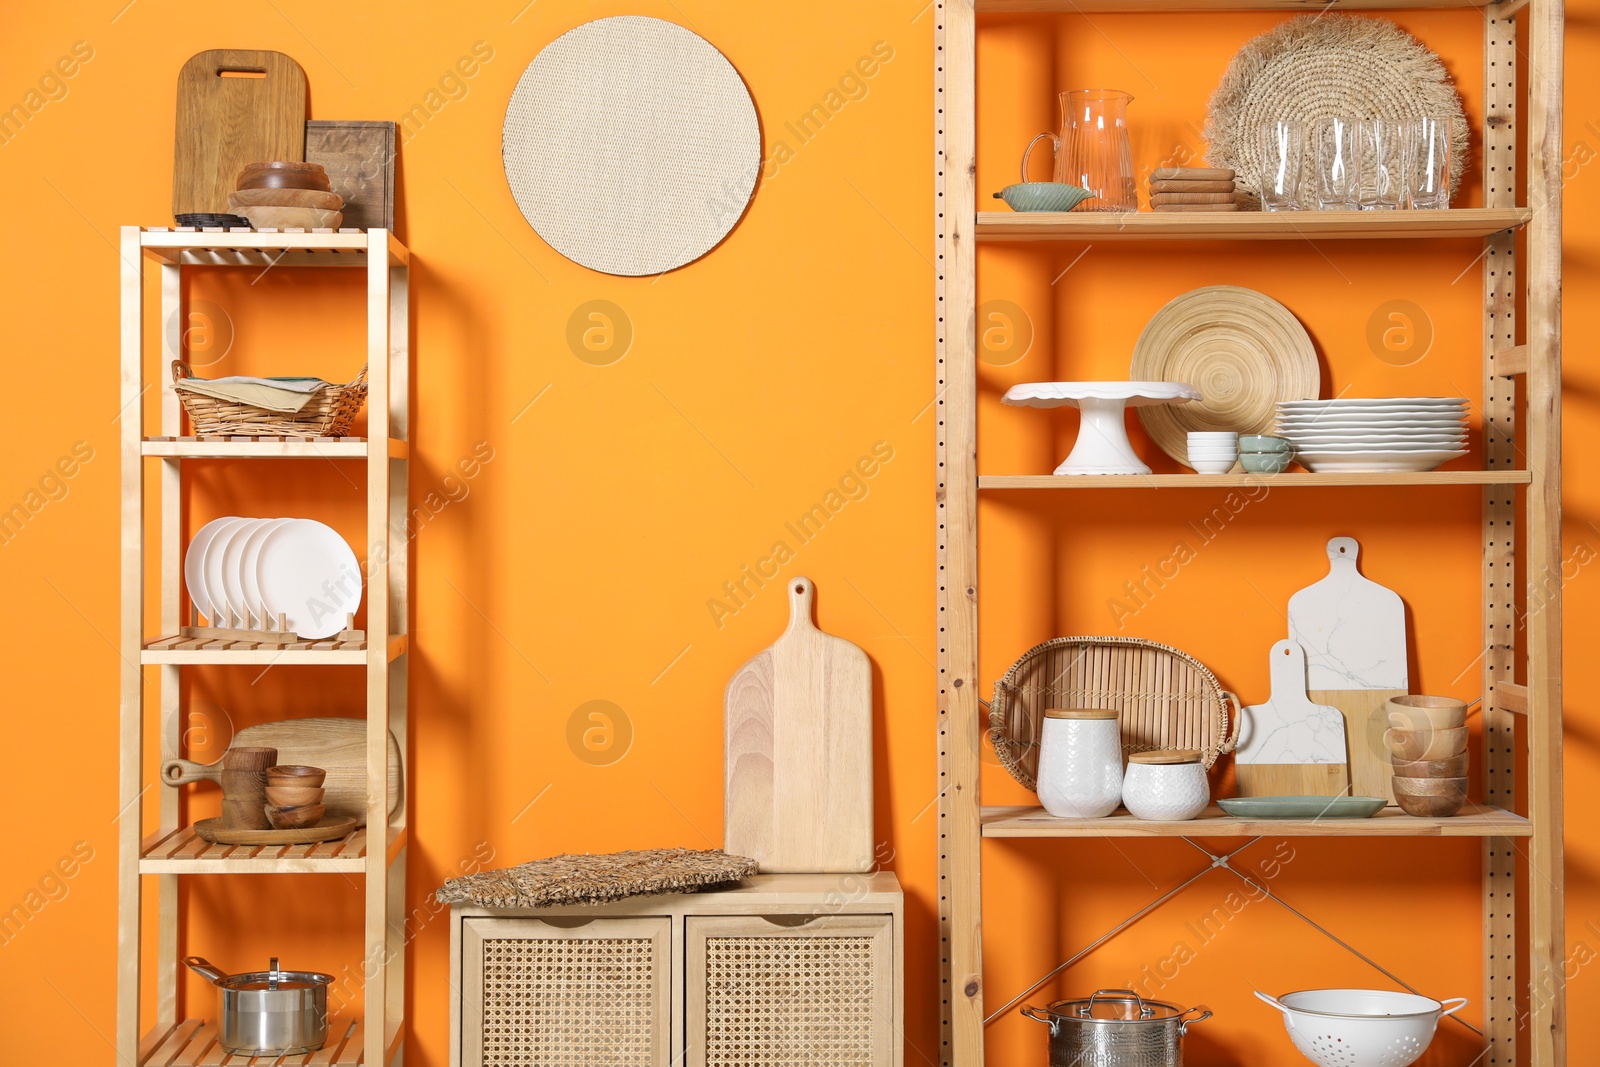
column 1242, row 349
column 631, row 145
column 1321, row 66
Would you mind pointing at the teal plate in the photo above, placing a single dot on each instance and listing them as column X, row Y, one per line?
column 1302, row 807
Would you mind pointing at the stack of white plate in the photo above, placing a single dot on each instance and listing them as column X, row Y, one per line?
column 247, row 573
column 1408, row 433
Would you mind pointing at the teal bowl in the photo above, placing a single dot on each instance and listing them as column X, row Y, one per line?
column 1265, row 462
column 1256, row 442
column 1043, row 196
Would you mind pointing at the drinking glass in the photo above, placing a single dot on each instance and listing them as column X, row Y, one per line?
column 1427, row 162
column 1379, row 163
column 1282, row 148
column 1335, row 150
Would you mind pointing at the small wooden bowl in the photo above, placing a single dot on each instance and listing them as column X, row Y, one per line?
column 1426, row 744
column 1427, row 713
column 1449, row 767
column 284, row 218
column 289, row 796
column 1429, row 807
column 284, row 164
column 240, row 199
column 1430, row 787
column 282, row 179
column 294, row 818
column 296, row 774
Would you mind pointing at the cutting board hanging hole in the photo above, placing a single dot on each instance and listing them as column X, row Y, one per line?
column 226, row 73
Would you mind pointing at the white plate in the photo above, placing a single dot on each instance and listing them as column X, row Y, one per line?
column 1333, row 442
column 249, row 558
column 1374, row 462
column 1376, row 403
column 308, row 573
column 216, row 587
column 194, row 564
column 232, row 580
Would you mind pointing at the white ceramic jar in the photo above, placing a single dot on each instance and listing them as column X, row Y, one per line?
column 1080, row 763
column 1168, row 785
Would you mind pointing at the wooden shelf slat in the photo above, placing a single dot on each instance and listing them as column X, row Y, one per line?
column 192, row 1043
column 1474, row 820
column 178, row 651
column 183, row 852
column 1203, row 481
column 259, row 448
column 1098, row 226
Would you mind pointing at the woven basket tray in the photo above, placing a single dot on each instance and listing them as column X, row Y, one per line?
column 1164, row 698
column 328, row 413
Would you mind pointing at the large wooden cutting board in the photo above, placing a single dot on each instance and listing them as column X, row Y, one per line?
column 337, row 745
column 1290, row 746
column 235, row 107
column 798, row 747
column 1354, row 634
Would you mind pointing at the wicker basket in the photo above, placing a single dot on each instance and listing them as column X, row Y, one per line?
column 1164, row 698
column 328, row 413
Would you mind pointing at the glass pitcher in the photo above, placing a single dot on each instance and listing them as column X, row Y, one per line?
column 1092, row 150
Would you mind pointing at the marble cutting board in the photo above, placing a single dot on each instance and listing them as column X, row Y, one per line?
column 1353, row 631
column 1291, row 746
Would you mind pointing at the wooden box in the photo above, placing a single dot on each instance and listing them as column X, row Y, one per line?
column 786, row 969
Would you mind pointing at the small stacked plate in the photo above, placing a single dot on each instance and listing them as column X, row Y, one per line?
column 242, row 573
column 1395, row 434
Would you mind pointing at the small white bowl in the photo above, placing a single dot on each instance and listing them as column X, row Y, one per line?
column 1212, row 466
column 1212, row 436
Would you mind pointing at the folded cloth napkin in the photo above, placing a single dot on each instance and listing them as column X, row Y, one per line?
column 274, row 394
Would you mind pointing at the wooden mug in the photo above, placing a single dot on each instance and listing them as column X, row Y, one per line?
column 244, row 787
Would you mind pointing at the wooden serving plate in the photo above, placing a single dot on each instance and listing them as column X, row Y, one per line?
column 213, row 831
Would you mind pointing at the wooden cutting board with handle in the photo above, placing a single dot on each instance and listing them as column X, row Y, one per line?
column 336, row 744
column 1354, row 634
column 235, row 107
column 798, row 748
column 1290, row 746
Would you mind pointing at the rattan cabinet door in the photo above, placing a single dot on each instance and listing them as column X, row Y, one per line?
column 536, row 993
column 787, row 992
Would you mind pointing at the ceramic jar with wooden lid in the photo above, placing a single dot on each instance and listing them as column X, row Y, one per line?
column 1080, row 763
column 1168, row 785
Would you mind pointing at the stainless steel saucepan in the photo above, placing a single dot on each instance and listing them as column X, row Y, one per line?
column 269, row 1013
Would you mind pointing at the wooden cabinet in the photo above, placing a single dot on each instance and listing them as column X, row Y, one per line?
column 800, row 970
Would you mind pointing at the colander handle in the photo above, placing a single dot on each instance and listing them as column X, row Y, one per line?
column 1452, row 1005
column 1267, row 998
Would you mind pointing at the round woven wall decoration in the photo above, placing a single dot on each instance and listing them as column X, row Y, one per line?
column 1321, row 66
column 631, row 145
column 1242, row 349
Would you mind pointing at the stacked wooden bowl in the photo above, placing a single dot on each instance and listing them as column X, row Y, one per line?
column 285, row 195
column 1427, row 741
column 294, row 796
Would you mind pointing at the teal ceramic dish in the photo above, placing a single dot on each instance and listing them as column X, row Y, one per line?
column 1260, row 442
column 1043, row 196
column 1302, row 807
column 1265, row 462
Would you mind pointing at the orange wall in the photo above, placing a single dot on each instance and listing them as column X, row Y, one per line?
column 579, row 564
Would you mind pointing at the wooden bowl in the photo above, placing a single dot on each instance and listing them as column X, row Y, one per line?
column 282, row 179
column 1430, row 787
column 1449, row 767
column 296, row 774
column 294, row 818
column 1429, row 807
column 288, row 796
column 287, row 218
column 1427, row 713
column 243, row 198
column 1426, row 744
column 284, row 164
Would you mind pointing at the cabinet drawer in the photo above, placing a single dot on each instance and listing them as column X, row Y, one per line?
column 790, row 991
column 566, row 992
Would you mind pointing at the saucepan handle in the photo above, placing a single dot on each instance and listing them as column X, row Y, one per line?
column 1043, row 1016
column 1205, row 1013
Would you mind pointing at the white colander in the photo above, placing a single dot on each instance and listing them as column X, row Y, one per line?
column 1361, row 1027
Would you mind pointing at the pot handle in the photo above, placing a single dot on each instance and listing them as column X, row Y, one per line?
column 200, row 966
column 1026, row 152
column 1039, row 1013
column 1183, row 1026
column 1137, row 999
column 1455, row 1005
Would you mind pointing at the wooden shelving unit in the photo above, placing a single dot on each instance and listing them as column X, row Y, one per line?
column 1521, row 491
column 153, row 468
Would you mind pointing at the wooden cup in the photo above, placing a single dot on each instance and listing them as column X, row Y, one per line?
column 244, row 787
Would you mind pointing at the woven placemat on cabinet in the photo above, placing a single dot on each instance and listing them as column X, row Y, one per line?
column 1321, row 66
column 1163, row 698
column 631, row 145
column 596, row 878
column 1242, row 349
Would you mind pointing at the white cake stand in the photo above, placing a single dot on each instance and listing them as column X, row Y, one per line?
column 1102, row 446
